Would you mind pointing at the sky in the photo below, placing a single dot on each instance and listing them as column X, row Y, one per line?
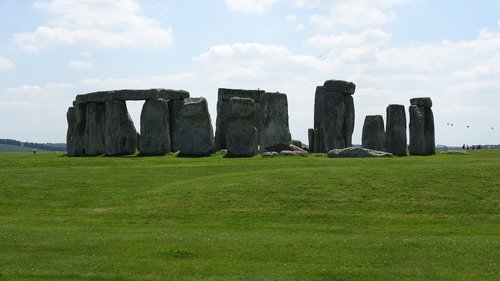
column 393, row 50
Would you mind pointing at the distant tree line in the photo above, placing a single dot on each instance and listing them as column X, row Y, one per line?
column 41, row 146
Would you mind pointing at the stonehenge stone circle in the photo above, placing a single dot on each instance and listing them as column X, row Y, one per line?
column 196, row 133
column 155, row 131
column 99, row 122
column 121, row 136
column 373, row 133
column 95, row 129
column 422, row 138
column 333, row 115
column 224, row 95
column 241, row 134
column 275, row 129
column 395, row 135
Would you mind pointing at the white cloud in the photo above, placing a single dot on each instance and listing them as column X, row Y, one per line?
column 300, row 27
column 80, row 65
column 350, row 13
column 6, row 64
column 174, row 81
column 94, row 23
column 291, row 18
column 250, row 6
column 371, row 37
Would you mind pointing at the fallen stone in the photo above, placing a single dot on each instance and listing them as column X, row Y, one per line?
column 297, row 143
column 270, row 154
column 294, row 153
column 357, row 152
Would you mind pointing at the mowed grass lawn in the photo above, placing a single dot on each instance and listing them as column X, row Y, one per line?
column 315, row 218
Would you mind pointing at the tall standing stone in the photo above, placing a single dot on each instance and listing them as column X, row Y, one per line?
column 76, row 130
column 155, row 132
column 121, row 135
column 224, row 95
column 422, row 135
column 396, row 142
column 333, row 115
column 175, row 111
column 275, row 130
column 310, row 134
column 196, row 133
column 373, row 133
column 95, row 129
column 241, row 135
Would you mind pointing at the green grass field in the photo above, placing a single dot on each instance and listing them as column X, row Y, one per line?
column 170, row 218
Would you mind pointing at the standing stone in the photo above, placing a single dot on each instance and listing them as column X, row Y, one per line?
column 422, row 138
column 310, row 134
column 76, row 130
column 121, row 136
column 333, row 115
column 395, row 142
column 241, row 135
column 196, row 133
column 223, row 108
column 349, row 120
column 373, row 133
column 175, row 110
column 275, row 129
column 95, row 129
column 155, row 133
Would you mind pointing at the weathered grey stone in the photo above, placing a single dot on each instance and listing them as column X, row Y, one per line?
column 95, row 125
column 357, row 152
column 155, row 128
column 121, row 135
column 141, row 94
column 310, row 133
column 270, row 154
column 341, row 86
column 395, row 141
column 241, row 135
column 147, row 94
column 297, row 143
column 175, row 111
column 227, row 94
column 222, row 112
column 242, row 108
column 349, row 119
column 333, row 115
column 422, row 136
column 294, row 153
column 196, row 133
column 430, row 141
column 75, row 144
column 425, row 101
column 373, row 133
column 275, row 128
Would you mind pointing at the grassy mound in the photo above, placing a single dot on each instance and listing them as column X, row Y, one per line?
column 171, row 218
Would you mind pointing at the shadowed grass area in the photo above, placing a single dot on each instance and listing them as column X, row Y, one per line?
column 215, row 218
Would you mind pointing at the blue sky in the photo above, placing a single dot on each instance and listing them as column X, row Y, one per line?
column 393, row 50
